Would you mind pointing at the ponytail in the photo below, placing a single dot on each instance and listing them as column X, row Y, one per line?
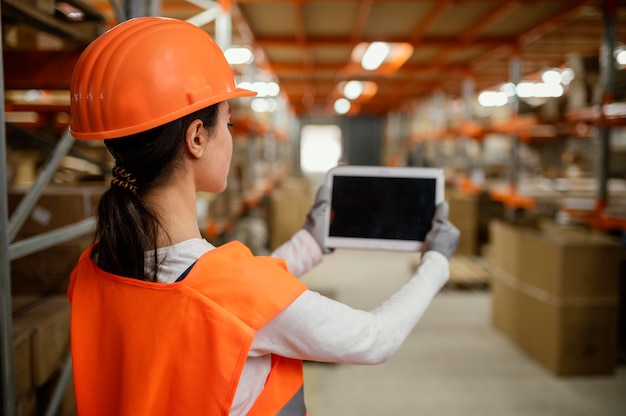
column 127, row 228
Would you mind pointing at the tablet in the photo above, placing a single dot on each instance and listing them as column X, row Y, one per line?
column 388, row 208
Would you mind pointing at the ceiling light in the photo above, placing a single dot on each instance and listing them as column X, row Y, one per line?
column 381, row 56
column 353, row 89
column 492, row 98
column 567, row 76
column 239, row 55
column 357, row 90
column 375, row 55
column 619, row 54
column 508, row 89
column 621, row 57
column 272, row 88
column 342, row 106
column 539, row 90
column 544, row 89
column 526, row 89
column 551, row 76
column 263, row 89
column 263, row 105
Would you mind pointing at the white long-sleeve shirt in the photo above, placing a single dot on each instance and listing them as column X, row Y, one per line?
column 315, row 327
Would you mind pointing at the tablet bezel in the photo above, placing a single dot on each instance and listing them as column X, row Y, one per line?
column 386, row 172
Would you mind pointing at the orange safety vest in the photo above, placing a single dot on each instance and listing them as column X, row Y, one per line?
column 143, row 348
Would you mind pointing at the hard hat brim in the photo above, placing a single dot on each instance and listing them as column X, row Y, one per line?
column 203, row 103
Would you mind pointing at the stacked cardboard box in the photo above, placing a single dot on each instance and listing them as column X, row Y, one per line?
column 288, row 207
column 464, row 215
column 555, row 294
column 47, row 271
column 41, row 336
column 57, row 206
column 471, row 215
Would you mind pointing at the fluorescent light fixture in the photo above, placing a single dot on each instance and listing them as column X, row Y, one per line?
column 357, row 91
column 239, row 55
column 551, row 76
column 375, row 55
column 353, row 89
column 263, row 89
column 543, row 90
column 273, row 89
column 539, row 90
column 508, row 89
column 263, row 105
column 492, row 98
column 382, row 56
column 526, row 89
column 621, row 57
column 567, row 76
column 342, row 106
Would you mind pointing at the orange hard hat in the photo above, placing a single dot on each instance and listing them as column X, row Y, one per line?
column 146, row 72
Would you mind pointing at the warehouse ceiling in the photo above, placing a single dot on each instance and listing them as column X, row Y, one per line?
column 307, row 45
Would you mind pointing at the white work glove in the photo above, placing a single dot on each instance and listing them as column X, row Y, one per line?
column 314, row 222
column 443, row 236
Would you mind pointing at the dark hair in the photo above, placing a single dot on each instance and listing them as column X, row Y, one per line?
column 127, row 227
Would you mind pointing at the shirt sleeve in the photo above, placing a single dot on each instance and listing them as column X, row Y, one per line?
column 318, row 328
column 301, row 253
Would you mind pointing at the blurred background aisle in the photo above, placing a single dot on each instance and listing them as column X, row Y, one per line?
column 453, row 364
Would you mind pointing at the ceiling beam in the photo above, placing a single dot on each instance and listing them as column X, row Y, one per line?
column 286, row 41
column 362, row 16
column 471, row 34
column 428, row 21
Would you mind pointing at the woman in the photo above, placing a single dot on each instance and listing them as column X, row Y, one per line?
column 164, row 323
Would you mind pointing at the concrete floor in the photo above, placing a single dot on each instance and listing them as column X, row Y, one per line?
column 453, row 363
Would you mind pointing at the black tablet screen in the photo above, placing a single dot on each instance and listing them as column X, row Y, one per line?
column 382, row 208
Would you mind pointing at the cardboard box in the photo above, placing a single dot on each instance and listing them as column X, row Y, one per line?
column 19, row 303
column 26, row 404
column 471, row 214
column 556, row 296
column 504, row 249
column 464, row 215
column 22, row 359
column 47, row 6
column 288, row 208
column 47, row 272
column 565, row 264
column 567, row 339
column 57, row 206
column 49, row 321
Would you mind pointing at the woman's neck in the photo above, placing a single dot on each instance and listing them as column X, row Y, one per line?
column 175, row 207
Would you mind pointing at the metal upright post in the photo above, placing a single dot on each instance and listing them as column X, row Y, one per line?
column 468, row 91
column 6, row 322
column 224, row 26
column 607, row 79
column 515, row 77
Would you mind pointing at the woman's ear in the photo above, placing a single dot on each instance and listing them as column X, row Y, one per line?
column 195, row 138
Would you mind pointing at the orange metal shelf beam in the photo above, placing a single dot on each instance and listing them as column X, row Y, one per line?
column 512, row 199
column 39, row 69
